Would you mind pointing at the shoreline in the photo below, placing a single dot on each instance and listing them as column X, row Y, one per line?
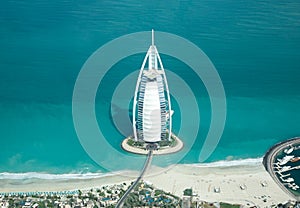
column 93, row 175
column 170, row 150
column 202, row 179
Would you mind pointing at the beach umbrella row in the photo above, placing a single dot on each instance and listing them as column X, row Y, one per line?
column 39, row 193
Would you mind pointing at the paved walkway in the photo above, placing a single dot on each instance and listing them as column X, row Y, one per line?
column 167, row 150
column 146, row 165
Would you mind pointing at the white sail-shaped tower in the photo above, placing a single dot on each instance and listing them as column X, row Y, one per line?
column 152, row 104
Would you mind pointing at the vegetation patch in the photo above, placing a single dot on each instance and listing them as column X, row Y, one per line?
column 225, row 205
column 133, row 143
column 163, row 143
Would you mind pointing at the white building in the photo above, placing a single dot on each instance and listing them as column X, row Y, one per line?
column 186, row 202
column 151, row 105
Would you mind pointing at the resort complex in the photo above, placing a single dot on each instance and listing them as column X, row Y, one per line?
column 192, row 188
column 152, row 113
column 106, row 196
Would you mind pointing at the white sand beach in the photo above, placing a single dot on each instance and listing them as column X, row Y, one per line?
column 247, row 185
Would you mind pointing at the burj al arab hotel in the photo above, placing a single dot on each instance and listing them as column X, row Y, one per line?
column 152, row 105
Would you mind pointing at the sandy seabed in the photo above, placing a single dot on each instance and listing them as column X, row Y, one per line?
column 244, row 184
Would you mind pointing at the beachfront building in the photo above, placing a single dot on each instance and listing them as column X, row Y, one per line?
column 151, row 105
column 186, row 202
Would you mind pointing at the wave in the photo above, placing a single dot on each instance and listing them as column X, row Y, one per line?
column 49, row 176
column 90, row 175
column 230, row 163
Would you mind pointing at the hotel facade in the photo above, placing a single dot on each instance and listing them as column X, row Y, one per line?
column 151, row 105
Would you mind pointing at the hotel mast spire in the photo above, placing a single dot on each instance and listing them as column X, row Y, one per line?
column 152, row 37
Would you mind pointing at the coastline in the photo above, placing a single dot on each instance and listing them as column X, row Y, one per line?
column 202, row 179
column 170, row 150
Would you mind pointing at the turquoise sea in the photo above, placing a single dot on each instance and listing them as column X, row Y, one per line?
column 254, row 45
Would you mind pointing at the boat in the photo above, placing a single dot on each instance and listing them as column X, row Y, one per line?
column 288, row 180
column 289, row 151
column 285, row 168
column 296, row 159
column 285, row 159
column 282, row 175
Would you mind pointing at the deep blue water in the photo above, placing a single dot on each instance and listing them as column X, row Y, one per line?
column 254, row 45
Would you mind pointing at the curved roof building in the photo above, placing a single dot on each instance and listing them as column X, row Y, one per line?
column 151, row 105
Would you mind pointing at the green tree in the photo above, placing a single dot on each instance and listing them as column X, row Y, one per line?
column 188, row 192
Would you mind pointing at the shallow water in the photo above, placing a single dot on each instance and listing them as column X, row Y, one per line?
column 253, row 45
